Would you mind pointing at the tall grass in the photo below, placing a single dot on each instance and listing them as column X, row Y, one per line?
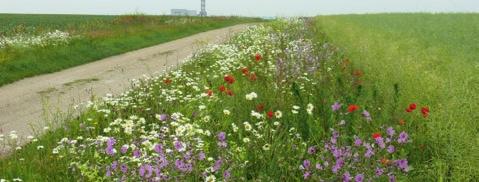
column 427, row 58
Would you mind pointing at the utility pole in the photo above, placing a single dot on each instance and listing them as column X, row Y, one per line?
column 203, row 8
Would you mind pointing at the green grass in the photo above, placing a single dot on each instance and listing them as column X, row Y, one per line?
column 100, row 37
column 433, row 58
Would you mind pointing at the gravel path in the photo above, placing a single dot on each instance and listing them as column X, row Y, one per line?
column 32, row 101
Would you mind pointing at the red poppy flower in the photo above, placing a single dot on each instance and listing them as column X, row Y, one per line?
column 376, row 135
column 167, row 81
column 408, row 110
column 222, row 88
column 253, row 77
column 352, row 108
column 245, row 71
column 270, row 114
column 229, row 79
column 425, row 111
column 260, row 107
column 209, row 92
column 258, row 57
column 412, row 106
column 230, row 92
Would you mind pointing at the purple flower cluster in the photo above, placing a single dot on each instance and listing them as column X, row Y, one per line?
column 222, row 140
column 348, row 161
column 110, row 150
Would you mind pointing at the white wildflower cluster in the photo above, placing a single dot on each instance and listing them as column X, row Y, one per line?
column 56, row 37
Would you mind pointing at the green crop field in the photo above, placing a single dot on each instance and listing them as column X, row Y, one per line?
column 37, row 44
column 434, row 60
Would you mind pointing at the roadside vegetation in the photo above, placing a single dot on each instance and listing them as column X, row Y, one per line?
column 36, row 44
column 289, row 100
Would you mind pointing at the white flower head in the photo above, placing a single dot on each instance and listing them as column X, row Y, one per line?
column 310, row 108
column 266, row 147
column 278, row 114
column 251, row 96
column 226, row 112
column 247, row 126
column 210, row 178
column 235, row 128
column 257, row 115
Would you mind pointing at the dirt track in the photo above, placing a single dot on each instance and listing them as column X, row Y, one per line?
column 33, row 101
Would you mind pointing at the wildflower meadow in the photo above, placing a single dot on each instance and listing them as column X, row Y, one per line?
column 277, row 102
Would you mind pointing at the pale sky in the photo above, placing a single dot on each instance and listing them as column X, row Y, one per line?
column 237, row 7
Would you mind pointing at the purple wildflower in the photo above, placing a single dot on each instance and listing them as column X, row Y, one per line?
column 336, row 106
column 179, row 146
column 336, row 152
column 391, row 149
column 366, row 115
column 183, row 167
column 111, row 141
column 149, row 170
column 379, row 171
column 201, row 156
column 359, row 178
column 357, row 141
column 137, row 153
column 187, row 155
column 163, row 162
column 403, row 137
column 380, row 142
column 227, row 174
column 306, row 175
column 392, row 178
column 390, row 131
column 124, row 168
column 318, row 166
column 159, row 148
column 334, row 138
column 306, row 164
column 402, row 164
column 312, row 150
column 346, row 177
column 217, row 165
column 114, row 165
column 108, row 171
column 369, row 152
column 124, row 149
column 163, row 117
column 110, row 151
column 339, row 164
column 141, row 171
column 221, row 136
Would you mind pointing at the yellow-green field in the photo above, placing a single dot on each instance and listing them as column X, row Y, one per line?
column 434, row 60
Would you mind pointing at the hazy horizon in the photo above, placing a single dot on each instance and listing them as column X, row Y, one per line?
column 260, row 8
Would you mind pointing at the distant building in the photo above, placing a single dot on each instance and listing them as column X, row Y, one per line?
column 183, row 12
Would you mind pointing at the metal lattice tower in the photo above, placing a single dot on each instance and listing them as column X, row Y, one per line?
column 203, row 8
